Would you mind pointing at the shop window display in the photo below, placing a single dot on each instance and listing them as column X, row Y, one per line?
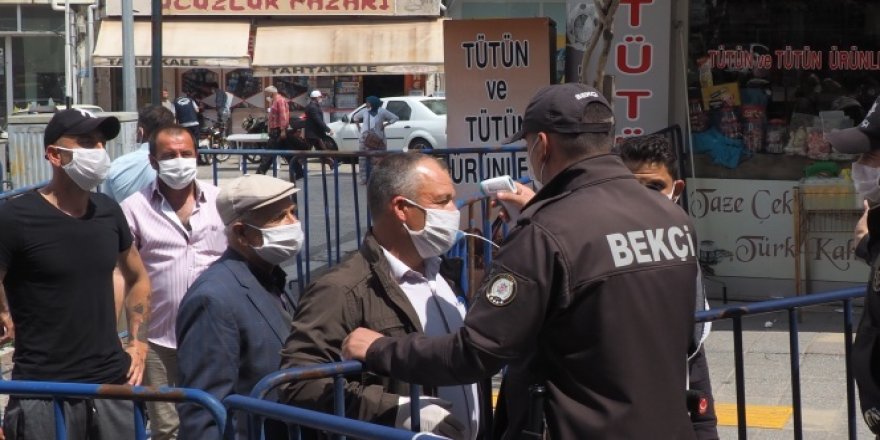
column 243, row 84
column 197, row 83
column 767, row 80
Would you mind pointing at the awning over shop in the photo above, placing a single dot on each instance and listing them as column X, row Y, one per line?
column 184, row 44
column 344, row 48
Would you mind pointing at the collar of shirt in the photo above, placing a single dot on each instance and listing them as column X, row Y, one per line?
column 400, row 271
column 165, row 207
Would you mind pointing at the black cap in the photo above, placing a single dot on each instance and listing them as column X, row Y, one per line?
column 860, row 139
column 78, row 121
column 560, row 108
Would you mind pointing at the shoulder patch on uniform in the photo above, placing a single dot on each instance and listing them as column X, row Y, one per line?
column 502, row 290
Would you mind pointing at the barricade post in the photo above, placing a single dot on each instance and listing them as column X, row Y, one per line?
column 317, row 420
column 791, row 305
column 59, row 391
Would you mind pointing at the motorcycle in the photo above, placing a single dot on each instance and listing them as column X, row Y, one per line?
column 213, row 136
column 293, row 141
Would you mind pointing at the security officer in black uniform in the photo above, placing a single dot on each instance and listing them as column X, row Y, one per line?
column 591, row 295
column 864, row 139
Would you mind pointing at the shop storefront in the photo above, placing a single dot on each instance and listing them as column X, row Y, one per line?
column 26, row 79
column 766, row 81
column 297, row 48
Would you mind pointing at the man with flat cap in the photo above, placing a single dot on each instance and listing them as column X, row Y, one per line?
column 591, row 297
column 864, row 140
column 234, row 319
column 58, row 248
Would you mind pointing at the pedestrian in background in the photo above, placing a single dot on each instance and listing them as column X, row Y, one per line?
column 132, row 171
column 277, row 122
column 58, row 248
column 233, row 320
column 186, row 110
column 575, row 301
column 178, row 233
column 652, row 160
column 371, row 122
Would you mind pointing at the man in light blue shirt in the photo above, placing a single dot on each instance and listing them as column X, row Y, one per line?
column 131, row 172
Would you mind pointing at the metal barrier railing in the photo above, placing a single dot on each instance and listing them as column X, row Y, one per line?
column 792, row 305
column 316, row 420
column 59, row 391
column 336, row 370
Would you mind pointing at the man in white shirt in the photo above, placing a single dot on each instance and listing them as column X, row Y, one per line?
column 178, row 231
column 397, row 283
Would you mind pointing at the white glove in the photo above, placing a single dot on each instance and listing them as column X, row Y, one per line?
column 434, row 417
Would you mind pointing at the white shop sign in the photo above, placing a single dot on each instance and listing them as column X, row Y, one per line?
column 749, row 225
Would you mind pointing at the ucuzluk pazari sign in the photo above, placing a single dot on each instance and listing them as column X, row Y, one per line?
column 746, row 229
column 301, row 7
column 493, row 68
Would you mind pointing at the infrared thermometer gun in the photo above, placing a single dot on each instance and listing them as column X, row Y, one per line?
column 491, row 187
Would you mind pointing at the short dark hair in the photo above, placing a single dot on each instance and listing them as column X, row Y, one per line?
column 391, row 177
column 171, row 130
column 151, row 117
column 653, row 148
column 578, row 145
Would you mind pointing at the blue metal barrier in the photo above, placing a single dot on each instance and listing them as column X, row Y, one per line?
column 59, row 391
column 792, row 306
column 336, row 370
column 316, row 420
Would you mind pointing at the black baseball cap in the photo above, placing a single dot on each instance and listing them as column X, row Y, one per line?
column 560, row 108
column 861, row 138
column 78, row 121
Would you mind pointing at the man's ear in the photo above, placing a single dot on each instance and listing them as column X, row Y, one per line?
column 398, row 205
column 154, row 163
column 677, row 189
column 53, row 155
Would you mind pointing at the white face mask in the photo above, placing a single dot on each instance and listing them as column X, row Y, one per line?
column 88, row 167
column 439, row 234
column 867, row 181
column 536, row 179
column 280, row 243
column 178, row 172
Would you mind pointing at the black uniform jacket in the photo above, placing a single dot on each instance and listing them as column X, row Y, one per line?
column 592, row 295
column 359, row 292
column 866, row 348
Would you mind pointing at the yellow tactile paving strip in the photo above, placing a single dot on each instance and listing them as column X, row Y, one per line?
column 757, row 416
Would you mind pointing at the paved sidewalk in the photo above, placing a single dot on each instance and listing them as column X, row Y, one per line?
column 768, row 374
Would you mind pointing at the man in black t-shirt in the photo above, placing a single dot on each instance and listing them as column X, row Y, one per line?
column 58, row 248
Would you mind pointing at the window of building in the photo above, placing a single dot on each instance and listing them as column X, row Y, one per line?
column 767, row 81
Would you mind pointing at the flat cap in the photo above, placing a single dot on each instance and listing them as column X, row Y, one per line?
column 249, row 192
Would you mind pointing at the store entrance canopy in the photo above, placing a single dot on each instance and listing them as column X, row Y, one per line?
column 184, row 44
column 344, row 48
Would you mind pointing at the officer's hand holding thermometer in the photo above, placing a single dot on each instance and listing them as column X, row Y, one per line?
column 512, row 195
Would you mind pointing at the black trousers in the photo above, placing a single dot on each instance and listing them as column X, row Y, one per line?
column 291, row 142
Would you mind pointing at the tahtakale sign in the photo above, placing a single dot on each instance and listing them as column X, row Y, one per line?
column 346, row 69
column 176, row 62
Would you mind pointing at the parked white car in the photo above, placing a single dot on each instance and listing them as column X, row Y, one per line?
column 422, row 124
